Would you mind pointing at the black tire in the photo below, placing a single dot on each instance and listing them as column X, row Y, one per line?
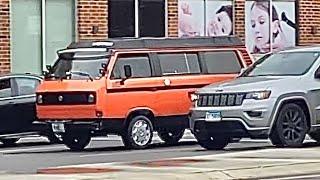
column 171, row 137
column 53, row 139
column 9, row 142
column 76, row 140
column 213, row 142
column 138, row 124
column 290, row 127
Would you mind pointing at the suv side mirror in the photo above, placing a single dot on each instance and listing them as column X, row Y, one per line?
column 127, row 71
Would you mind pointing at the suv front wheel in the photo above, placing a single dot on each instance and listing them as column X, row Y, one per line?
column 139, row 133
column 290, row 126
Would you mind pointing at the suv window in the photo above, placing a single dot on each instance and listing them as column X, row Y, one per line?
column 5, row 88
column 179, row 63
column 140, row 66
column 222, row 62
column 26, row 86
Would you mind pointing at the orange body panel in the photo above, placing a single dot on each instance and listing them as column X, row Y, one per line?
column 164, row 96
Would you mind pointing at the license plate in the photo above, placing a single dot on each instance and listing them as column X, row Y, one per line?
column 213, row 116
column 57, row 127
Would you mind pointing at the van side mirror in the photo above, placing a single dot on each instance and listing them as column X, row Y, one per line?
column 127, row 71
column 49, row 67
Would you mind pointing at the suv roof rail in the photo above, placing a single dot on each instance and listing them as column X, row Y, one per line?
column 148, row 42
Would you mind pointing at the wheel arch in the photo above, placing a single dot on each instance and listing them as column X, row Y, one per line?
column 299, row 100
column 139, row 111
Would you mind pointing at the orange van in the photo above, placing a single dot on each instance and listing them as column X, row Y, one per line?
column 132, row 87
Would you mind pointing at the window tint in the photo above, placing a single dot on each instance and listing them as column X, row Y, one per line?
column 5, row 88
column 140, row 66
column 179, row 63
column 26, row 86
column 222, row 62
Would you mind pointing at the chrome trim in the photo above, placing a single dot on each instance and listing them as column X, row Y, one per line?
column 240, row 120
column 17, row 97
column 82, row 50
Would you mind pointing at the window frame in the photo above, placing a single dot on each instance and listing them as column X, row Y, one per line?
column 204, row 64
column 180, row 74
column 120, row 55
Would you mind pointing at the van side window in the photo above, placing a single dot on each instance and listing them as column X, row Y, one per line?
column 179, row 63
column 222, row 62
column 140, row 66
column 26, row 86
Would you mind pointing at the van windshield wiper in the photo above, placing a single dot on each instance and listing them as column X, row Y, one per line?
column 80, row 73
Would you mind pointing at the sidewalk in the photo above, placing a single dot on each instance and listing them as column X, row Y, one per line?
column 254, row 164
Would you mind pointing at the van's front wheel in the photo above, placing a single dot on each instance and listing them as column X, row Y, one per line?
column 139, row 133
column 76, row 140
column 171, row 136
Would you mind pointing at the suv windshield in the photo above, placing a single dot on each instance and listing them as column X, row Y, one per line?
column 283, row 64
column 80, row 63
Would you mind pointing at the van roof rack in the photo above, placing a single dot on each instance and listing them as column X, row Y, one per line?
column 148, row 42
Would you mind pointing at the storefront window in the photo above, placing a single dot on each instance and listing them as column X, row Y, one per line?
column 136, row 18
column 270, row 28
column 205, row 18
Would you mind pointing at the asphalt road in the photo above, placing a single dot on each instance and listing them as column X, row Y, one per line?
column 31, row 154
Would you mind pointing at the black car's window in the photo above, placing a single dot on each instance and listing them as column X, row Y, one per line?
column 140, row 66
column 26, row 86
column 5, row 88
column 179, row 63
column 222, row 62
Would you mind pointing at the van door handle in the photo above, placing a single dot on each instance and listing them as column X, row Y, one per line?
column 167, row 82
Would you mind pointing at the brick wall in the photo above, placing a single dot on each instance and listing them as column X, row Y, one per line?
column 239, row 11
column 4, row 36
column 309, row 18
column 92, row 13
column 172, row 18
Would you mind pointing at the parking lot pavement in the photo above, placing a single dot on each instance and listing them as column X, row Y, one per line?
column 269, row 163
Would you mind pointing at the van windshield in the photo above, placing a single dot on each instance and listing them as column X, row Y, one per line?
column 80, row 64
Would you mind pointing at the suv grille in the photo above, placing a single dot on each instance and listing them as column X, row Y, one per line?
column 211, row 100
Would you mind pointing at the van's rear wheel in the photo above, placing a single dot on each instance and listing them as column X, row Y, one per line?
column 9, row 142
column 171, row 136
column 213, row 142
column 139, row 133
column 290, row 127
column 76, row 140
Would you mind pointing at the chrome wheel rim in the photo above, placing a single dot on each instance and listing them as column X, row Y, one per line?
column 293, row 125
column 141, row 132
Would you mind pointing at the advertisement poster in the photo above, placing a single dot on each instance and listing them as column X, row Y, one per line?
column 265, row 32
column 191, row 18
column 219, row 18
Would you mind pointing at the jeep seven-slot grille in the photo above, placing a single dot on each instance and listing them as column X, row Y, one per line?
column 72, row 98
column 211, row 100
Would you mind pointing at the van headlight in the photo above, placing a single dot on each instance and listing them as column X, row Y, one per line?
column 91, row 98
column 39, row 99
column 258, row 95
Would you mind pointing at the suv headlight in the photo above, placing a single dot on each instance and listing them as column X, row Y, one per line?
column 259, row 95
column 91, row 98
column 39, row 99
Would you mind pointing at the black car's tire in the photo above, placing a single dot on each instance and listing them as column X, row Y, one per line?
column 213, row 142
column 171, row 137
column 139, row 133
column 9, row 142
column 290, row 127
column 53, row 139
column 76, row 140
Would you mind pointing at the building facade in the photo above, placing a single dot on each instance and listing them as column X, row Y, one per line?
column 31, row 31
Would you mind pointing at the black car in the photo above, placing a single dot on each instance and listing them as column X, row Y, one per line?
column 18, row 110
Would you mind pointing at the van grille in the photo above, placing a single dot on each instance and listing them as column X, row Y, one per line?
column 214, row 100
column 67, row 98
